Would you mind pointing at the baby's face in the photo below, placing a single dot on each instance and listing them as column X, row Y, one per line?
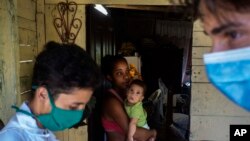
column 135, row 94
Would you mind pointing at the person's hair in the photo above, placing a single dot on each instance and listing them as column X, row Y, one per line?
column 63, row 67
column 213, row 6
column 109, row 62
column 139, row 83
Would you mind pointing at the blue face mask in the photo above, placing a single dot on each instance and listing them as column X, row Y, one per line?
column 229, row 71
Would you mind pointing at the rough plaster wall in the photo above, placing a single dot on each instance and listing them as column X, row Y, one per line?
column 211, row 112
column 9, row 81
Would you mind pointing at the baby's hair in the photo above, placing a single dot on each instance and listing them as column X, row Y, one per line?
column 139, row 83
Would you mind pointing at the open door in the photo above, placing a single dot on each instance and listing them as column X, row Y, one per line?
column 100, row 34
column 100, row 42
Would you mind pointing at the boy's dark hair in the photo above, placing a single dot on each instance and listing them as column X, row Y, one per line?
column 108, row 63
column 62, row 67
column 214, row 5
column 139, row 83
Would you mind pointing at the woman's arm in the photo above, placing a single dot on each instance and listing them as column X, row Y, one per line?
column 116, row 112
column 142, row 134
column 132, row 129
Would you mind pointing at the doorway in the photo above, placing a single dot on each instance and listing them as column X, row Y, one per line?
column 161, row 36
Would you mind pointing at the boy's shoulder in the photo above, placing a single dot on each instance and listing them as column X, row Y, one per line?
column 12, row 134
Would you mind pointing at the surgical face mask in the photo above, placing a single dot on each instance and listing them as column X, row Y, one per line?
column 58, row 119
column 229, row 71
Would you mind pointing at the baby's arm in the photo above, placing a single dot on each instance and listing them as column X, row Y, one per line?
column 132, row 129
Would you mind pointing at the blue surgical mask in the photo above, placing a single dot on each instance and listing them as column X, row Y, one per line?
column 229, row 71
column 58, row 119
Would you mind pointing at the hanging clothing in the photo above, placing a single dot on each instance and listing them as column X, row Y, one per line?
column 22, row 127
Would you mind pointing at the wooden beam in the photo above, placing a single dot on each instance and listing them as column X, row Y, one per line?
column 126, row 2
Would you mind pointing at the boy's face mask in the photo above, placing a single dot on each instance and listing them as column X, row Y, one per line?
column 58, row 119
column 229, row 71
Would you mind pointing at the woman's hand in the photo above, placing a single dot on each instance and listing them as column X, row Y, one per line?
column 154, row 135
column 142, row 134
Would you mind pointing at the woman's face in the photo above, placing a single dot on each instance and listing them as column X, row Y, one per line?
column 120, row 75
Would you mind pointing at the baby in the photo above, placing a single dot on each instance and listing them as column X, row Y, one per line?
column 134, row 108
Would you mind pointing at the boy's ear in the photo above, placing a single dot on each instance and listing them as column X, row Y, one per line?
column 41, row 93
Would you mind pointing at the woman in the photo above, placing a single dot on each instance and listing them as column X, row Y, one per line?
column 114, row 118
column 64, row 78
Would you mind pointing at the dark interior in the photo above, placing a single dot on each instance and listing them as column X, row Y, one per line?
column 162, row 37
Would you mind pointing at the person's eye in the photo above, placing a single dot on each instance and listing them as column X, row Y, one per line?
column 73, row 107
column 233, row 34
column 119, row 73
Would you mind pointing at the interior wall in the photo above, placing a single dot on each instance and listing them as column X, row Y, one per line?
column 154, row 35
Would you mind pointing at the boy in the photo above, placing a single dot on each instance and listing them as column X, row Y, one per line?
column 227, row 23
column 64, row 78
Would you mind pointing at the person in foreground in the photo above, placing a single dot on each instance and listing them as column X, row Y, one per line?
column 64, row 78
column 227, row 22
column 134, row 108
column 115, row 121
